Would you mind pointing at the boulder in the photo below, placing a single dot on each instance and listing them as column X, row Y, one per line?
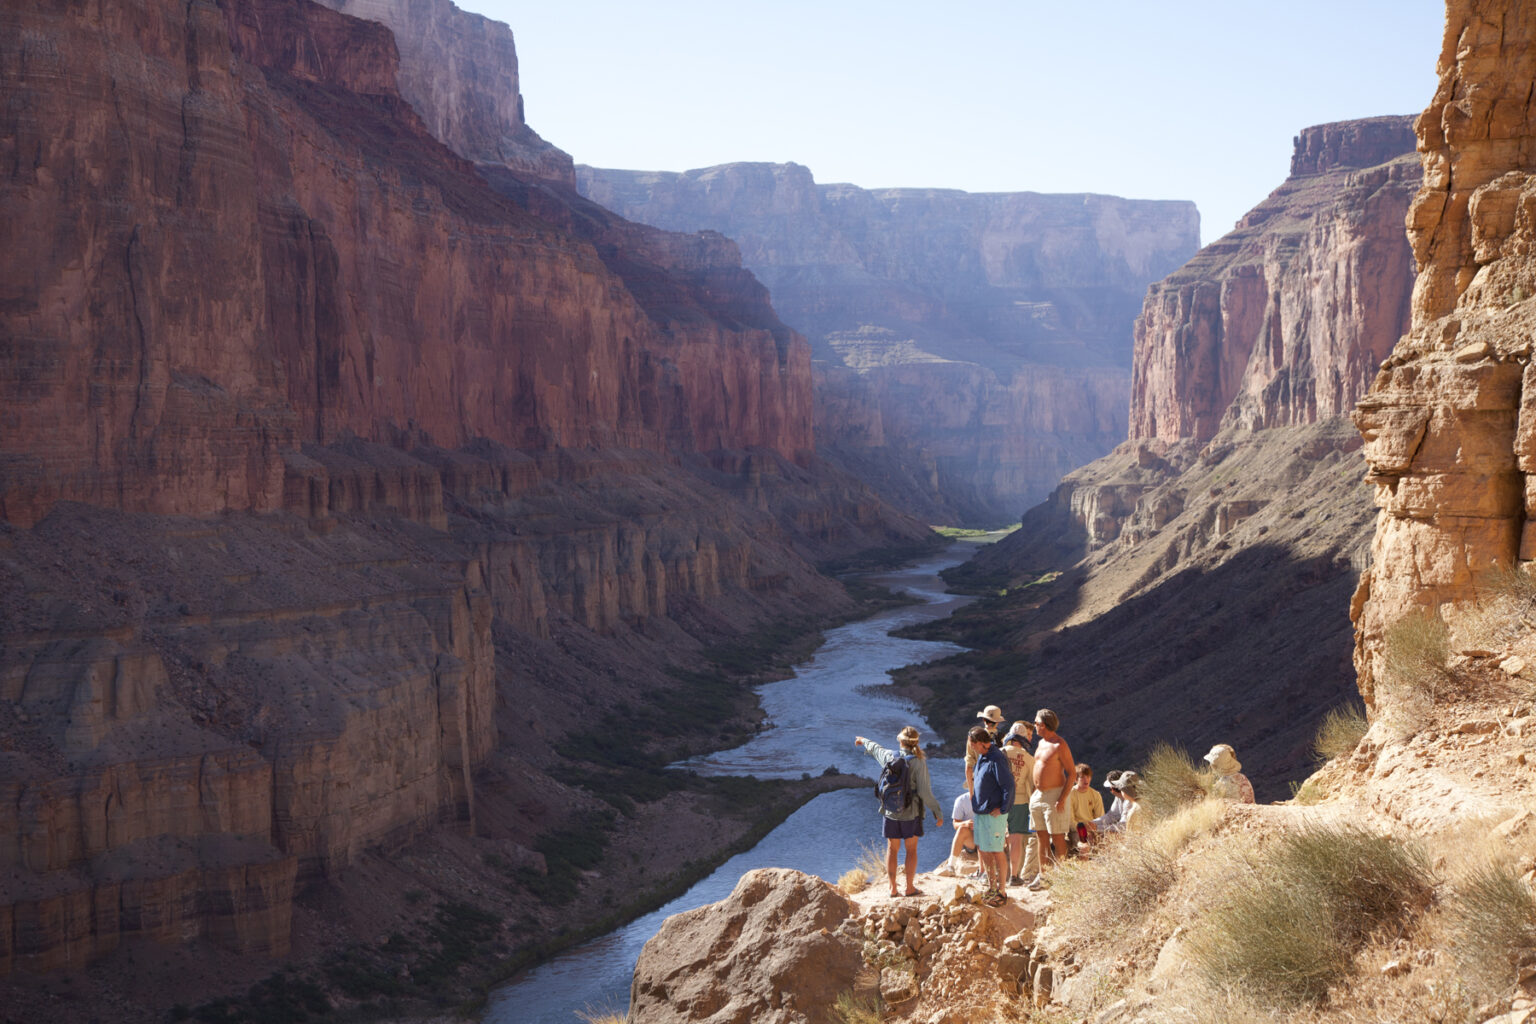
column 733, row 961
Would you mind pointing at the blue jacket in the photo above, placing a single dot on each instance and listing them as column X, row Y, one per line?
column 993, row 785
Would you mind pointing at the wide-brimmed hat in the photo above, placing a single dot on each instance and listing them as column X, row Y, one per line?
column 991, row 713
column 1223, row 760
column 1112, row 780
column 1130, row 784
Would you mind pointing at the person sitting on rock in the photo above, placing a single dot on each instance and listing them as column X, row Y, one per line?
column 963, row 818
column 1231, row 783
column 1137, row 814
column 1022, row 762
column 1086, row 806
column 904, row 825
column 1112, row 820
column 991, row 797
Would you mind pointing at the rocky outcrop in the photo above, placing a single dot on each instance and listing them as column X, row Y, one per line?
column 1448, row 422
column 1285, row 319
column 766, row 953
column 334, row 467
column 975, row 345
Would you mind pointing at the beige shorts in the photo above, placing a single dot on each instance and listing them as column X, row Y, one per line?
column 1043, row 815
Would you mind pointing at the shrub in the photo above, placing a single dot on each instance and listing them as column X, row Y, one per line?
column 1107, row 896
column 1340, row 732
column 1496, row 924
column 1170, row 780
column 591, row 1016
column 1505, row 601
column 853, row 881
column 850, row 1009
column 1291, row 928
column 1415, row 649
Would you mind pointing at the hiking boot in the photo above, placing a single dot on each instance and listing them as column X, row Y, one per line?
column 1037, row 883
column 1015, row 880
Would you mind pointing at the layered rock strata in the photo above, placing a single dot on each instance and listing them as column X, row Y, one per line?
column 1285, row 319
column 333, row 468
column 1237, row 501
column 976, row 345
column 1448, row 423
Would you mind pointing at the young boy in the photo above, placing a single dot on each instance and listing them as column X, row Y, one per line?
column 1086, row 806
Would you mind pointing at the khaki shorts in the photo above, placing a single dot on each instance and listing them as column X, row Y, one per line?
column 1043, row 815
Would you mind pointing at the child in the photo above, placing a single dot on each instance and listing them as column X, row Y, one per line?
column 1086, row 806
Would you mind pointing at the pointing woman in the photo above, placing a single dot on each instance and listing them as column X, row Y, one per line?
column 904, row 818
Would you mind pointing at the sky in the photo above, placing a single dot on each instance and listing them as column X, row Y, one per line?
column 1178, row 99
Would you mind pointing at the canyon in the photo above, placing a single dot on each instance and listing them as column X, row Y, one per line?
column 970, row 348
column 353, row 469
column 1236, row 500
column 1435, row 776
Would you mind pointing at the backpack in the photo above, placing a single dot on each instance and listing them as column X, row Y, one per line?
column 895, row 786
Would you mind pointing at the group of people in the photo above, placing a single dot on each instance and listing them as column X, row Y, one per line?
column 1016, row 840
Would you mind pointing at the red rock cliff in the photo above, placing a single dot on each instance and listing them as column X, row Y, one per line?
column 988, row 335
column 1450, row 422
column 1285, row 319
column 306, row 263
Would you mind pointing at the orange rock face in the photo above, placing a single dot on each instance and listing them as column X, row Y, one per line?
column 1285, row 319
column 1448, row 422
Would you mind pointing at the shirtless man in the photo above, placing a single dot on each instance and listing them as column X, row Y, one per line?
column 1049, row 813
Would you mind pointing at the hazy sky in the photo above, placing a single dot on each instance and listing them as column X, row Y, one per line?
column 1179, row 99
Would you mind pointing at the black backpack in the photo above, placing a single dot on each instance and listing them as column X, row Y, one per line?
column 895, row 786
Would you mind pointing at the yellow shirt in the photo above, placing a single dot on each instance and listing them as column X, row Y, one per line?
column 1086, row 804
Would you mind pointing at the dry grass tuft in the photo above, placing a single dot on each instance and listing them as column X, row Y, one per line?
column 871, row 861
column 853, row 881
column 1495, row 925
column 1340, row 732
column 591, row 1016
column 1506, row 602
column 1290, row 927
column 1415, row 649
column 850, row 1009
column 1171, row 779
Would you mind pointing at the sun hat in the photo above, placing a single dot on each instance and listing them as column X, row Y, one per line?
column 1130, row 784
column 991, row 713
column 1223, row 759
column 1112, row 780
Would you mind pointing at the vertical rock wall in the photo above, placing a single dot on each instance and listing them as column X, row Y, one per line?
column 1448, row 424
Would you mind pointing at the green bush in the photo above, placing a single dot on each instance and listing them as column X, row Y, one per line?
column 1291, row 929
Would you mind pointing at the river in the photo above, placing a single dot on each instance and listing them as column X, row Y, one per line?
column 814, row 717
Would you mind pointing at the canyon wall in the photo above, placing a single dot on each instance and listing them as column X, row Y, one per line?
column 974, row 346
column 1448, row 424
column 1206, row 563
column 336, row 465
column 1285, row 319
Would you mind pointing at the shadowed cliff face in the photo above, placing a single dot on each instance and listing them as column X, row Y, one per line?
column 335, row 472
column 1449, row 434
column 1207, row 562
column 975, row 345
